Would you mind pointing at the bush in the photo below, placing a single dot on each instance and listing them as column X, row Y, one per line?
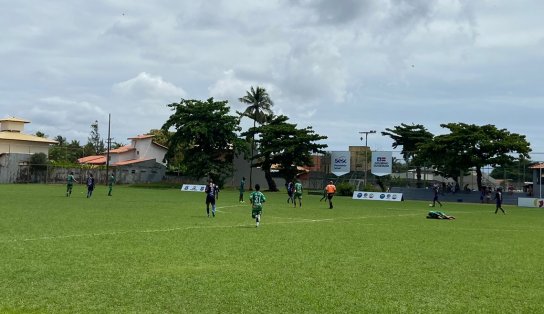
column 345, row 189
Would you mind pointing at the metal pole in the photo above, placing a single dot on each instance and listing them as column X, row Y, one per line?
column 366, row 150
column 108, row 149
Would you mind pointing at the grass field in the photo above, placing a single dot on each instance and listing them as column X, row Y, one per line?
column 155, row 251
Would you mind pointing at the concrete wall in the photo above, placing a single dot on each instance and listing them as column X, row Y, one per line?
column 9, row 167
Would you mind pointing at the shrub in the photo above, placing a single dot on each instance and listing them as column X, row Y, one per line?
column 345, row 189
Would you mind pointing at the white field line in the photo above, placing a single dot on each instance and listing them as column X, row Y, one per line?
column 114, row 233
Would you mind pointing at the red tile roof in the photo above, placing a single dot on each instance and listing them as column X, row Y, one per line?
column 122, row 149
column 132, row 161
column 537, row 166
column 93, row 160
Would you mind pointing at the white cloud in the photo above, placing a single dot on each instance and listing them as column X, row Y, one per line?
column 148, row 86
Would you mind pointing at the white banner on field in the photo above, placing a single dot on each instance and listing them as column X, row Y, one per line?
column 377, row 196
column 340, row 162
column 530, row 202
column 193, row 188
column 382, row 163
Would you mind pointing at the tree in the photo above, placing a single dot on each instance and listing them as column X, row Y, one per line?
column 95, row 143
column 206, row 134
column 41, row 134
column 469, row 145
column 516, row 171
column 259, row 110
column 284, row 144
column 487, row 145
column 409, row 137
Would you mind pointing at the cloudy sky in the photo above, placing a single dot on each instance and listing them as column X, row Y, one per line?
column 340, row 66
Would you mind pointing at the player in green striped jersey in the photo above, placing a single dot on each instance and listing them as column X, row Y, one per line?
column 257, row 198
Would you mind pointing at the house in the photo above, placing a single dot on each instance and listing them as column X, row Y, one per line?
column 140, row 161
column 16, row 148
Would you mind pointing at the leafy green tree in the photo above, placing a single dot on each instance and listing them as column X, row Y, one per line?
column 409, row 137
column 469, row 145
column 259, row 110
column 41, row 134
column 286, row 145
column 517, row 171
column 207, row 136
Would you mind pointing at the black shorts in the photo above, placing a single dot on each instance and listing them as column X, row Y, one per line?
column 210, row 200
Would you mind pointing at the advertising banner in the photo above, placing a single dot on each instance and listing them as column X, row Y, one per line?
column 193, row 188
column 377, row 196
column 382, row 163
column 340, row 162
column 530, row 202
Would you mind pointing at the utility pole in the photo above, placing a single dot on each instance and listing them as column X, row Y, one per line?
column 108, row 148
column 366, row 150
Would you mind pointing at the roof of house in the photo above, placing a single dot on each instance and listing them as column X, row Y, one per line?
column 537, row 166
column 94, row 160
column 131, row 161
column 122, row 149
column 138, row 137
column 13, row 119
column 16, row 136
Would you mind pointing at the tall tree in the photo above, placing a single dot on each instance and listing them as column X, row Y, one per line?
column 259, row 110
column 207, row 136
column 409, row 137
column 286, row 145
column 488, row 145
column 94, row 141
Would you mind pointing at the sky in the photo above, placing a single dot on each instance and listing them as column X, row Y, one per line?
column 339, row 66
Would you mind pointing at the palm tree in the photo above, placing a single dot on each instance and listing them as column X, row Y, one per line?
column 258, row 109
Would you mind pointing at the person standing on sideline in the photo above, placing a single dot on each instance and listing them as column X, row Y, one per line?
column 90, row 185
column 210, row 198
column 111, row 182
column 331, row 190
column 70, row 183
column 435, row 198
column 216, row 191
column 257, row 198
column 498, row 200
column 297, row 194
column 290, row 189
column 242, row 189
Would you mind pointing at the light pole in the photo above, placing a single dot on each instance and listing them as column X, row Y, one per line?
column 366, row 150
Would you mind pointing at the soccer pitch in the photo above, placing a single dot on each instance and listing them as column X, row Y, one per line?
column 155, row 251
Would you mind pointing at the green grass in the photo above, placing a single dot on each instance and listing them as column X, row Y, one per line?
column 155, row 251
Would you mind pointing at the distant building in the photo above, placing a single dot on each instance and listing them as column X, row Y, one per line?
column 16, row 147
column 140, row 161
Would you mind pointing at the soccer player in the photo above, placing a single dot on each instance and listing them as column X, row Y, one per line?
column 298, row 194
column 435, row 198
column 257, row 198
column 111, row 182
column 331, row 190
column 498, row 200
column 210, row 197
column 290, row 189
column 90, row 185
column 242, row 189
column 70, row 183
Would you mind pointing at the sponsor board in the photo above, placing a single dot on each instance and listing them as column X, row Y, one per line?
column 377, row 196
column 340, row 162
column 193, row 188
column 530, row 202
column 381, row 163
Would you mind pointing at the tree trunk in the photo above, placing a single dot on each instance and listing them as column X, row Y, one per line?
column 271, row 183
column 418, row 177
column 479, row 177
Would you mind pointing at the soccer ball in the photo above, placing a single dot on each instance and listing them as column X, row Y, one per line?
column 430, row 205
